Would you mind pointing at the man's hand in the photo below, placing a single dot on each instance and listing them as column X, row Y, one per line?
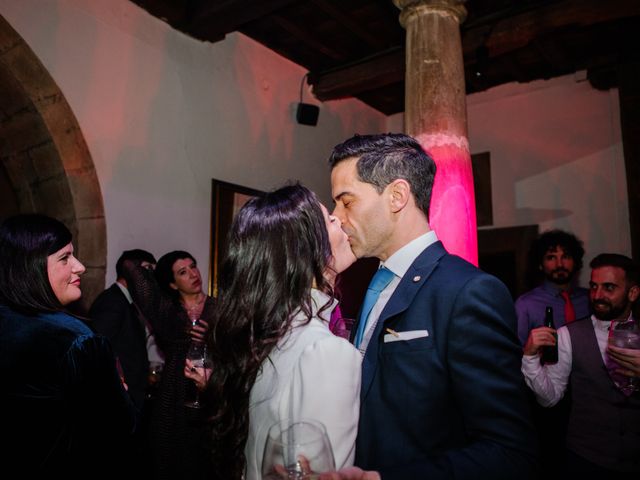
column 627, row 358
column 539, row 337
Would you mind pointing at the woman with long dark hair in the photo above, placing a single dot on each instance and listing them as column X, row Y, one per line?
column 172, row 300
column 273, row 354
column 63, row 408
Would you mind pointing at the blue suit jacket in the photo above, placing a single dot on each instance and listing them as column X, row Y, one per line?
column 451, row 404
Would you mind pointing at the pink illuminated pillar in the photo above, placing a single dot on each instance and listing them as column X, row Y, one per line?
column 436, row 115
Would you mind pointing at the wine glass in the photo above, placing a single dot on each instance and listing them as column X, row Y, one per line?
column 197, row 353
column 627, row 335
column 296, row 450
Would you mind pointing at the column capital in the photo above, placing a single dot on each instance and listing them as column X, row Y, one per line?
column 410, row 8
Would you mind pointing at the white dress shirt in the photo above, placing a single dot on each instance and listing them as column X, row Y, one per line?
column 398, row 263
column 310, row 374
column 549, row 382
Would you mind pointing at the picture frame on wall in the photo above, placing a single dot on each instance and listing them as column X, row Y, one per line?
column 226, row 200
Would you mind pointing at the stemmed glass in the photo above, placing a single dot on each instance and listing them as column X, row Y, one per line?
column 296, row 450
column 197, row 353
column 627, row 335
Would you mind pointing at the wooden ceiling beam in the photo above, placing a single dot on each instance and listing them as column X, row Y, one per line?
column 518, row 31
column 505, row 36
column 302, row 35
column 349, row 81
column 349, row 23
column 212, row 20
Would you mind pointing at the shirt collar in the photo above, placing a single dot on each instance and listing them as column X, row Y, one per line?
column 318, row 300
column 606, row 324
column 402, row 259
column 553, row 289
column 125, row 292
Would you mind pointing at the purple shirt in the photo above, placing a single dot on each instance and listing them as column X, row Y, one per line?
column 530, row 307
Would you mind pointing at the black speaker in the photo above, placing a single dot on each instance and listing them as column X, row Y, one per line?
column 307, row 114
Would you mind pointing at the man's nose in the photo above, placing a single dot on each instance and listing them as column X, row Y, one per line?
column 337, row 212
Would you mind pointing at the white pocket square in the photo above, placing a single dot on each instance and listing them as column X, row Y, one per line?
column 394, row 336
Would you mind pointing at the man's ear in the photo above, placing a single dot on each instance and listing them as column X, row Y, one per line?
column 400, row 193
column 633, row 294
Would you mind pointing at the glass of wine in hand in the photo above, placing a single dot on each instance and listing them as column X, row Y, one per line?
column 296, row 450
column 626, row 335
column 197, row 353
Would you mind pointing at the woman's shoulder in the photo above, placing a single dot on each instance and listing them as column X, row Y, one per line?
column 66, row 321
column 317, row 340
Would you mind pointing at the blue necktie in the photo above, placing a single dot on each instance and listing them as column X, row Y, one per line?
column 378, row 283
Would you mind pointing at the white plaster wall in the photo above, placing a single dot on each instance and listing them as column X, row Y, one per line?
column 556, row 160
column 163, row 114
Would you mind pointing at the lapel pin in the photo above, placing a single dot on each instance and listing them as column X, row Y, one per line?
column 417, row 278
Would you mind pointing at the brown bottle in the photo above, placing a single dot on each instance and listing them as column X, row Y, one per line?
column 549, row 353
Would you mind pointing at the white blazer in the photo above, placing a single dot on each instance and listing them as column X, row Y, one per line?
column 310, row 374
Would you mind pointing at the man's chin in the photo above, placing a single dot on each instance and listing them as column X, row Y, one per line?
column 563, row 280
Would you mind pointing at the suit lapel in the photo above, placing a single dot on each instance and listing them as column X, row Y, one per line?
column 417, row 274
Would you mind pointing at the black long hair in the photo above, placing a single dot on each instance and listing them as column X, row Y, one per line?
column 278, row 249
column 26, row 241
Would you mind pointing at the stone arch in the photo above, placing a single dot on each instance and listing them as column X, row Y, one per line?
column 45, row 163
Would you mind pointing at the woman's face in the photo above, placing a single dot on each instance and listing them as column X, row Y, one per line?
column 64, row 272
column 343, row 257
column 186, row 277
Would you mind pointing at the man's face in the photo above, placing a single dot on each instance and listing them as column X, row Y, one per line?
column 558, row 266
column 363, row 212
column 610, row 297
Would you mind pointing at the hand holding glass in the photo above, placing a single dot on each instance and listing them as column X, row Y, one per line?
column 197, row 353
column 296, row 450
column 627, row 335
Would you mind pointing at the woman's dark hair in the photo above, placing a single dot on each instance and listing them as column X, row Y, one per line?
column 164, row 271
column 278, row 249
column 25, row 243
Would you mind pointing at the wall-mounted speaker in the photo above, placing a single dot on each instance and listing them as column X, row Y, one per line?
column 307, row 114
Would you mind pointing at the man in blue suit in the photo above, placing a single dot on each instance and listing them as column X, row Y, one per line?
column 442, row 394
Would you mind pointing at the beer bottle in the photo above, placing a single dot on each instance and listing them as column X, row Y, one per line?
column 550, row 352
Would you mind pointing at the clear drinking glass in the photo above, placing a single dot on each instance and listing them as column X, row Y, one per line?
column 627, row 335
column 197, row 353
column 296, row 450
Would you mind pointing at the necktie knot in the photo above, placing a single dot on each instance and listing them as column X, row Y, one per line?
column 378, row 283
column 381, row 279
column 569, row 311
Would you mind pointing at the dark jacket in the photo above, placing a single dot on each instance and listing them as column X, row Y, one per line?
column 114, row 317
column 62, row 404
column 450, row 404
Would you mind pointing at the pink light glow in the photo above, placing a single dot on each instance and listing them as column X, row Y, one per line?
column 453, row 211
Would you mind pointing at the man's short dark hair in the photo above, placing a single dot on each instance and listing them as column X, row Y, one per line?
column 631, row 268
column 135, row 255
column 387, row 157
column 552, row 239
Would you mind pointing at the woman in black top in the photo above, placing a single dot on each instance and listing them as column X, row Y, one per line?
column 63, row 408
column 171, row 300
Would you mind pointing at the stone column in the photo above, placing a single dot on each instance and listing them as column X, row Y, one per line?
column 436, row 115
